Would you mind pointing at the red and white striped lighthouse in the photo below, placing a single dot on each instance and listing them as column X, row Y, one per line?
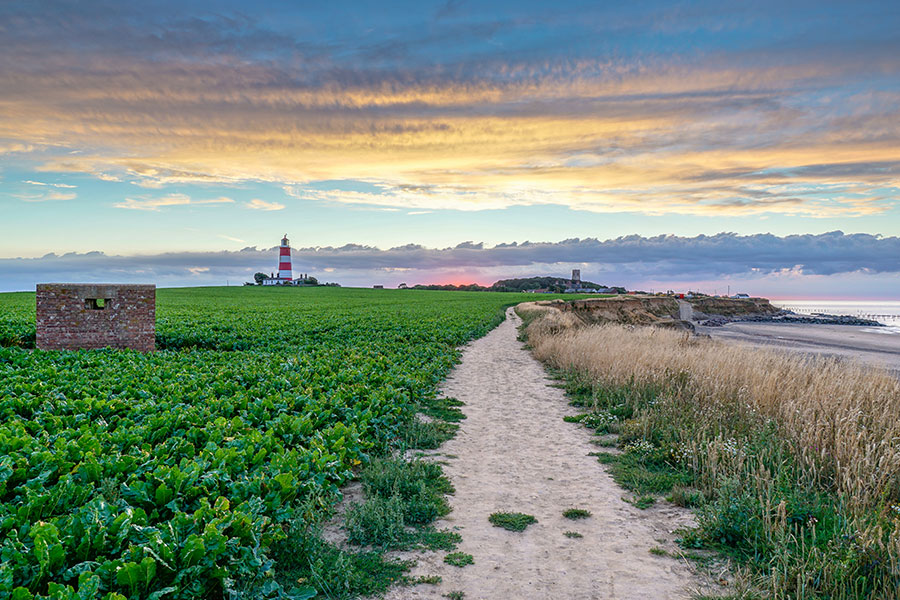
column 284, row 260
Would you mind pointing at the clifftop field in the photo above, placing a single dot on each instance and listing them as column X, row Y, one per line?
column 177, row 474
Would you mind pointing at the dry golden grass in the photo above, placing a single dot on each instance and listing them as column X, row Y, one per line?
column 769, row 436
column 773, row 438
column 843, row 418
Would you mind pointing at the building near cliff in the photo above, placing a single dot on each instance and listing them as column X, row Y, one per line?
column 72, row 316
column 575, row 286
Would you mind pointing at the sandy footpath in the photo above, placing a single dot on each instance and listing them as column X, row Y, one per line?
column 876, row 346
column 514, row 452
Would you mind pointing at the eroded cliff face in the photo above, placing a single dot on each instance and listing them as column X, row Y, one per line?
column 662, row 311
column 630, row 310
column 733, row 307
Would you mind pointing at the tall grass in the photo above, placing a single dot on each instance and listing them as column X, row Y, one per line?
column 799, row 456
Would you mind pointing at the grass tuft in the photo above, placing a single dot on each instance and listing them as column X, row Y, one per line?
column 644, row 502
column 376, row 522
column 459, row 559
column 420, row 485
column 686, row 497
column 511, row 521
column 444, row 409
column 305, row 556
column 576, row 513
column 427, row 436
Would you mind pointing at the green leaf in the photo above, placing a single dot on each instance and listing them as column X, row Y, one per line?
column 148, row 569
column 163, row 592
column 304, row 593
column 128, row 575
column 56, row 591
column 88, row 586
column 193, row 550
column 21, row 593
column 47, row 548
column 163, row 494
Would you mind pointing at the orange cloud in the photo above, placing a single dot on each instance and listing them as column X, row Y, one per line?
column 258, row 204
column 156, row 204
column 711, row 138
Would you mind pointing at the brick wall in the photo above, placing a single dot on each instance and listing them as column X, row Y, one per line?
column 74, row 315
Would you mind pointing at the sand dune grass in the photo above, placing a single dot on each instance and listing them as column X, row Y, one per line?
column 799, row 457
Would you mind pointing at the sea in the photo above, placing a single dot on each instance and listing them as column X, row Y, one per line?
column 883, row 311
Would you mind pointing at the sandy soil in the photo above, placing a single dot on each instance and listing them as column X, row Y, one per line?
column 877, row 346
column 515, row 453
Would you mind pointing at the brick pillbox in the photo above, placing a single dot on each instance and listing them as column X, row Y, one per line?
column 96, row 315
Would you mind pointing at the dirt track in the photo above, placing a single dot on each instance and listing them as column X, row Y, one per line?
column 514, row 452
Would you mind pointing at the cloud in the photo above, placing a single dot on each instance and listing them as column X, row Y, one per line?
column 600, row 108
column 156, row 204
column 232, row 239
column 15, row 148
column 47, row 196
column 633, row 259
column 258, row 204
column 56, row 185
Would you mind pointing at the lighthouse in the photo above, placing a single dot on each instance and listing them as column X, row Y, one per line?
column 284, row 260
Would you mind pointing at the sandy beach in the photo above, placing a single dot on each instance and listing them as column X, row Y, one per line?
column 876, row 346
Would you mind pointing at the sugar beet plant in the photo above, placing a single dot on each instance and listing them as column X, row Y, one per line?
column 174, row 475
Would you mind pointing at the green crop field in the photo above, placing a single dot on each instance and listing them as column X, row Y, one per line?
column 175, row 474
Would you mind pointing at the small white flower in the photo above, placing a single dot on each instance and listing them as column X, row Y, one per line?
column 639, row 447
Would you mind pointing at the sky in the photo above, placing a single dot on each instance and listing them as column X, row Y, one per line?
column 714, row 146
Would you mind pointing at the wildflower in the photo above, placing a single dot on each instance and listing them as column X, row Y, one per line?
column 640, row 447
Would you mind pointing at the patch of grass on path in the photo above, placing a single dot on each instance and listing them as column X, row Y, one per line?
column 511, row 521
column 576, row 513
column 426, row 580
column 459, row 559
